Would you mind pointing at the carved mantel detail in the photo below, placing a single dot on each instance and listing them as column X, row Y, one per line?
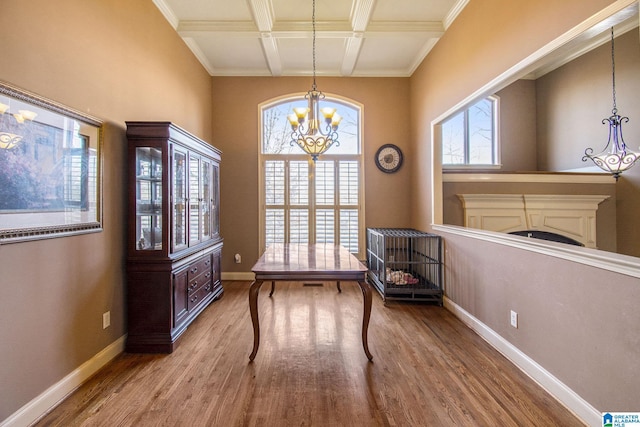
column 573, row 216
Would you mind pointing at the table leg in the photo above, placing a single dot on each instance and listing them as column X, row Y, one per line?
column 338, row 285
column 253, row 308
column 273, row 288
column 366, row 293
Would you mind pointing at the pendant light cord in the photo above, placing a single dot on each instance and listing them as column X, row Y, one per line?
column 613, row 74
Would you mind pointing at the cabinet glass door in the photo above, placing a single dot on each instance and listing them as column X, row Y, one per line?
column 148, row 199
column 215, row 197
column 179, row 199
column 207, row 199
column 195, row 200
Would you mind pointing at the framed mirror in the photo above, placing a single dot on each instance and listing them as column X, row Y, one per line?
column 50, row 168
column 561, row 166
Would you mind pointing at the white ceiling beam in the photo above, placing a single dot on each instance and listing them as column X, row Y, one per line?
column 361, row 14
column 262, row 12
column 351, row 53
column 232, row 28
column 423, row 27
column 263, row 16
column 271, row 54
column 305, row 28
column 336, row 29
column 263, row 25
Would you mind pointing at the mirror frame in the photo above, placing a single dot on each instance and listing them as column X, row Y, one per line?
column 610, row 261
column 42, row 151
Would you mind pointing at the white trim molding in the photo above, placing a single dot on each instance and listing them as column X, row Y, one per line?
column 55, row 394
column 623, row 264
column 560, row 391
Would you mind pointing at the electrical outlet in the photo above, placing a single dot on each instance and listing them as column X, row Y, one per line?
column 514, row 319
column 106, row 320
column 238, row 258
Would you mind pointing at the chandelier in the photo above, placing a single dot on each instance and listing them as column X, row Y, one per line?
column 309, row 132
column 9, row 128
column 616, row 157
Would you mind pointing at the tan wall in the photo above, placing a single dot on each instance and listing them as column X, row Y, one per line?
column 235, row 129
column 518, row 147
column 517, row 127
column 117, row 60
column 578, row 322
column 546, row 124
column 573, row 101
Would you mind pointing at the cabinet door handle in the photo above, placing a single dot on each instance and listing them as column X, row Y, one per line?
column 207, row 275
column 194, row 270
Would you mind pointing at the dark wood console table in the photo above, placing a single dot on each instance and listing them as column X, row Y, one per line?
column 299, row 262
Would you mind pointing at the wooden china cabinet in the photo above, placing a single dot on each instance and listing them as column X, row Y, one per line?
column 173, row 240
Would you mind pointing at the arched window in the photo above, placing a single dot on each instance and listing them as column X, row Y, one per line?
column 303, row 201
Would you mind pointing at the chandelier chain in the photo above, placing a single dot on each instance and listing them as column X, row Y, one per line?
column 314, row 129
column 313, row 23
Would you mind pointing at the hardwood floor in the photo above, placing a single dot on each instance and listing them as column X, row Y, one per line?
column 428, row 369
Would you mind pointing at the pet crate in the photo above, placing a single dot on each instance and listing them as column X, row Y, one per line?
column 405, row 264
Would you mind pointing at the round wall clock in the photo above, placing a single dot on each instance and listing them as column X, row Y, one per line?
column 389, row 158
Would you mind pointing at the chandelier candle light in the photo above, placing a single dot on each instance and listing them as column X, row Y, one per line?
column 312, row 134
column 616, row 157
column 8, row 138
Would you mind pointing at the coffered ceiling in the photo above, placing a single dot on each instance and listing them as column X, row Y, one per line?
column 385, row 38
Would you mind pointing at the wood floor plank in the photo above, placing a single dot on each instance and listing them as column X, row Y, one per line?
column 429, row 369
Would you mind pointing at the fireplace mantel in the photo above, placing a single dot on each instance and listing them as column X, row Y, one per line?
column 573, row 216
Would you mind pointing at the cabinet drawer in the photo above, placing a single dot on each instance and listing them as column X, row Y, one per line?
column 199, row 295
column 199, row 280
column 199, row 267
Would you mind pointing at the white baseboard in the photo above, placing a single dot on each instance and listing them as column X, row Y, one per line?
column 561, row 392
column 240, row 275
column 46, row 401
column 57, row 392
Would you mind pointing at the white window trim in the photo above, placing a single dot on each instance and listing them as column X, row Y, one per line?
column 262, row 158
column 496, row 142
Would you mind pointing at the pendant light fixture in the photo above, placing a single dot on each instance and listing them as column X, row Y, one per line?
column 616, row 157
column 311, row 133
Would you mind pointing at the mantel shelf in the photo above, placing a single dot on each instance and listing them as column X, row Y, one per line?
column 539, row 177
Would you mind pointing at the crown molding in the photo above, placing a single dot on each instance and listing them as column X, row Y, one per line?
column 167, row 12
